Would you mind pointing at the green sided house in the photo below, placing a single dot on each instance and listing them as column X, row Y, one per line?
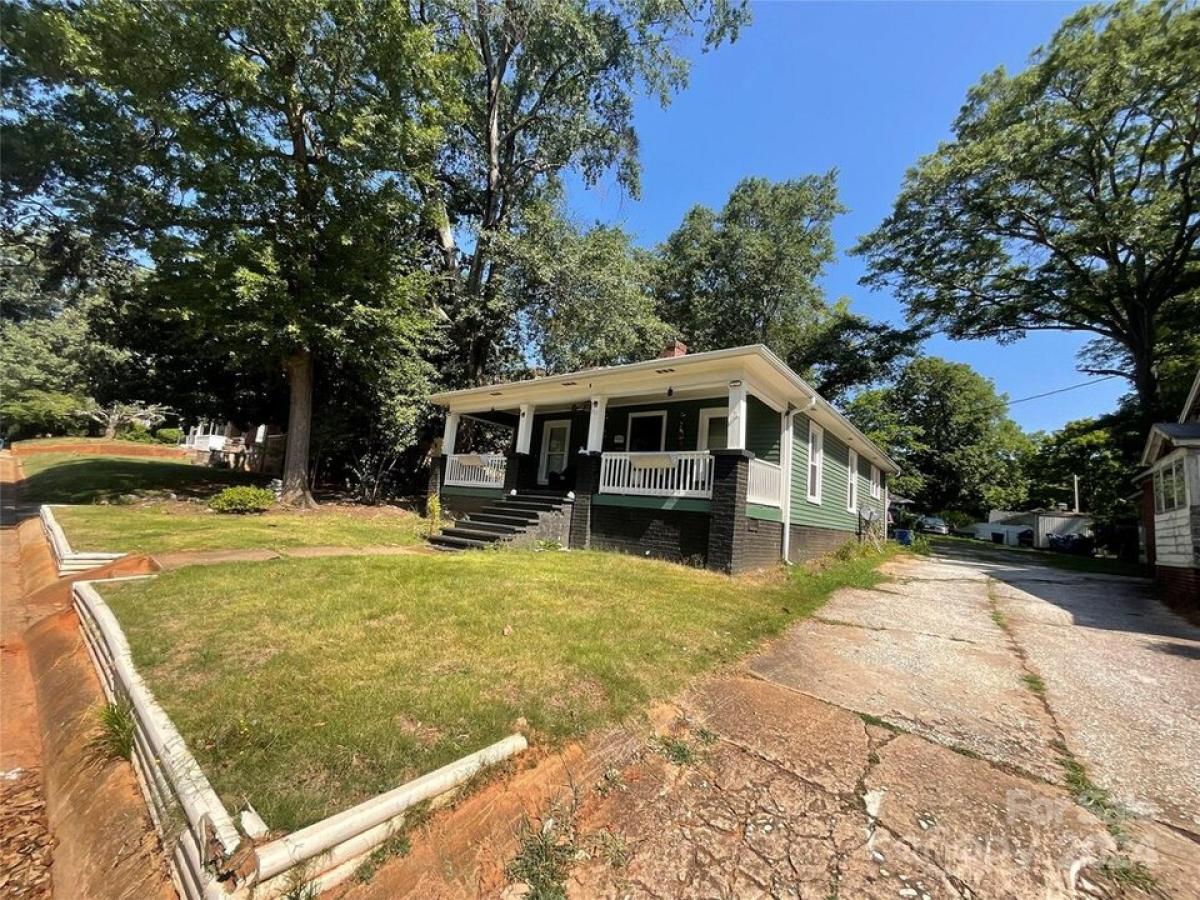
column 726, row 459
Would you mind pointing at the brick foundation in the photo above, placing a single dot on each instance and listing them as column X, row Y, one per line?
column 808, row 542
column 762, row 545
column 1179, row 588
column 676, row 535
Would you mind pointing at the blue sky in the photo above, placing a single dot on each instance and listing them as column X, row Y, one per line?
column 867, row 88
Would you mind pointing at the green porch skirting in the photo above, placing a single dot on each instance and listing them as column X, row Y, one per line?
column 455, row 490
column 767, row 513
column 684, row 504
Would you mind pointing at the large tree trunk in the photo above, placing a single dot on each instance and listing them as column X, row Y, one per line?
column 295, row 461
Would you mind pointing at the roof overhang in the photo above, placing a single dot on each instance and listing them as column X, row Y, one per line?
column 764, row 374
column 1193, row 398
column 1158, row 437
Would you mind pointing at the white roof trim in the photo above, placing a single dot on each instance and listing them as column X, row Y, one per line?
column 695, row 369
column 1192, row 397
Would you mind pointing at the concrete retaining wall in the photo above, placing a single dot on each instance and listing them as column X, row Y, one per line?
column 68, row 561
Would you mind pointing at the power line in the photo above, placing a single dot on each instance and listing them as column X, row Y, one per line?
column 1061, row 390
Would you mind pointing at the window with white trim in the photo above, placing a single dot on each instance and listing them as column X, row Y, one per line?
column 852, row 483
column 1170, row 491
column 876, row 483
column 816, row 461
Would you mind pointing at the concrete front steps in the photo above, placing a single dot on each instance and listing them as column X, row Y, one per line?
column 520, row 518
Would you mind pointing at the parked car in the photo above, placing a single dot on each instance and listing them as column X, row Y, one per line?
column 932, row 525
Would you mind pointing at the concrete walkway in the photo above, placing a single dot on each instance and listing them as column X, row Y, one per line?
column 908, row 742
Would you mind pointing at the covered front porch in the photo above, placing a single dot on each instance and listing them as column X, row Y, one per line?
column 657, row 444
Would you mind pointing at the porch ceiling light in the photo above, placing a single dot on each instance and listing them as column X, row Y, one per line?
column 737, row 382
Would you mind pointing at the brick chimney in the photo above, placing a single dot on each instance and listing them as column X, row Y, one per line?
column 674, row 350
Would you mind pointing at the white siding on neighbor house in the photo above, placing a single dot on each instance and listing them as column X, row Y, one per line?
column 1177, row 532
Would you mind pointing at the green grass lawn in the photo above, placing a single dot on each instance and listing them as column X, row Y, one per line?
column 308, row 685
column 165, row 526
column 66, row 478
column 168, row 527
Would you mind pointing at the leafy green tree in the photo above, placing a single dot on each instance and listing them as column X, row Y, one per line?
column 547, row 87
column 1067, row 199
column 1084, row 448
column 583, row 294
column 267, row 157
column 948, row 429
column 51, row 360
column 750, row 274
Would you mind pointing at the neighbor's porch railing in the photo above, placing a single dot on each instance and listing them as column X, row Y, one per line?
column 765, row 484
column 484, row 470
column 683, row 474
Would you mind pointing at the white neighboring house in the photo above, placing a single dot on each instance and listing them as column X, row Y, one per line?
column 1005, row 526
column 1171, row 503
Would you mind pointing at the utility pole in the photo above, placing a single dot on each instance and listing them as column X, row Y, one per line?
column 1076, row 478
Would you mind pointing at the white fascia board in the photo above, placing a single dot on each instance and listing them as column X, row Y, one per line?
column 767, row 375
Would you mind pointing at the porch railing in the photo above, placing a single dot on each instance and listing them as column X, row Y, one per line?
column 482, row 470
column 683, row 474
column 765, row 485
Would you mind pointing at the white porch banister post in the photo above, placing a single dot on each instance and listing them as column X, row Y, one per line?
column 450, row 434
column 525, row 428
column 595, row 436
column 736, row 439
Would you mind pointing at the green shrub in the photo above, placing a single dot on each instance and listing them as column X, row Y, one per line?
column 137, row 433
column 168, row 435
column 242, row 500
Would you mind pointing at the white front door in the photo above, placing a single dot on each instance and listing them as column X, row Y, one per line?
column 556, row 441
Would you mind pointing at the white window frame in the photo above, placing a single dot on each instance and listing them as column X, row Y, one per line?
column 662, row 435
column 876, row 483
column 1174, row 466
column 852, row 481
column 816, row 457
column 707, row 415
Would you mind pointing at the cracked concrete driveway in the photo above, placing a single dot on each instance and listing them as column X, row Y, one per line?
column 907, row 742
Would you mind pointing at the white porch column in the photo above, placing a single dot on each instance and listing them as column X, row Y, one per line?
column 737, row 415
column 595, row 435
column 525, row 428
column 450, row 434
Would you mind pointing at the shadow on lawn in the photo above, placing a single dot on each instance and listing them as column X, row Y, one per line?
column 97, row 478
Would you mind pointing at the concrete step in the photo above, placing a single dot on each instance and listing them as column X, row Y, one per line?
column 475, row 534
column 446, row 542
column 502, row 516
column 494, row 527
column 534, row 506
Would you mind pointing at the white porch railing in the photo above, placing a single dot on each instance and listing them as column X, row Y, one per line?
column 484, row 470
column 765, row 484
column 683, row 474
column 205, row 441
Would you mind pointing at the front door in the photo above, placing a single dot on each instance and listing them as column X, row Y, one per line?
column 556, row 441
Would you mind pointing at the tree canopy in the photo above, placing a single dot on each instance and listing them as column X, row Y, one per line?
column 266, row 156
column 1067, row 199
column 750, row 273
column 949, row 431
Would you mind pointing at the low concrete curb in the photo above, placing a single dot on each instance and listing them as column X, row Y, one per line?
column 68, row 561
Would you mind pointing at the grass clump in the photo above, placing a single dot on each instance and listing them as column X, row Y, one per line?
column 677, row 751
column 1129, row 873
column 545, row 859
column 396, row 845
column 1035, row 684
column 242, row 500
column 117, row 725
